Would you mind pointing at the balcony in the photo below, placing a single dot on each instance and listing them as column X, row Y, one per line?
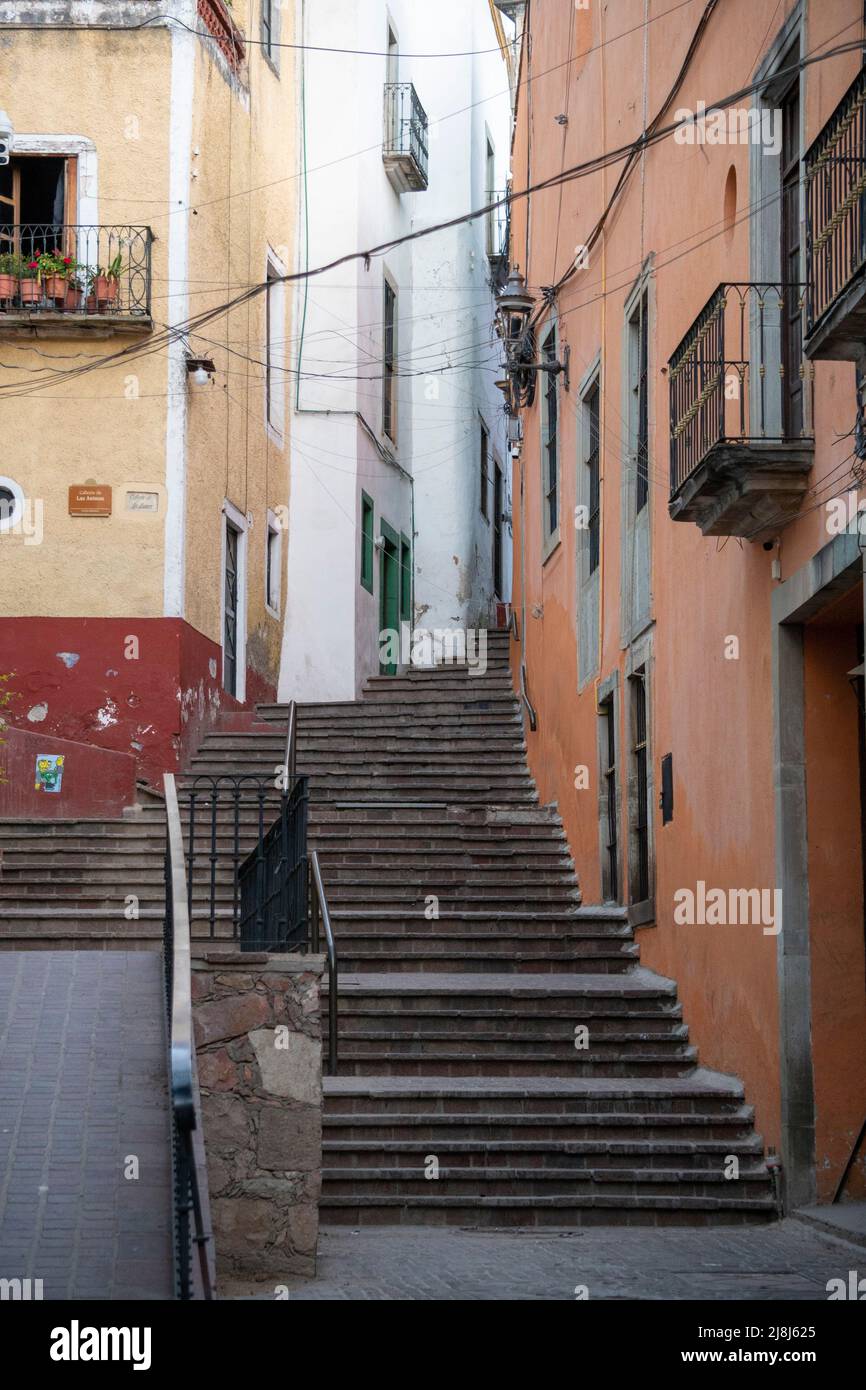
column 404, row 149
column 835, row 178
column 741, row 413
column 498, row 232
column 62, row 281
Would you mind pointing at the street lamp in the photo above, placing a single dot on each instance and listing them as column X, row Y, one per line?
column 513, row 311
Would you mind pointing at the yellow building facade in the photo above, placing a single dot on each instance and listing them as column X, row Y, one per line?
column 147, row 217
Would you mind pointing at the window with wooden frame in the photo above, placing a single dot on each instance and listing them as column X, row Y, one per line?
column 389, row 362
column 38, row 203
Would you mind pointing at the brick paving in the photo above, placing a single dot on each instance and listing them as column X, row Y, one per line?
column 82, row 1087
column 786, row 1260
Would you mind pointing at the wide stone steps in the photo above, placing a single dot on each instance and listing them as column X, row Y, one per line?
column 460, row 1036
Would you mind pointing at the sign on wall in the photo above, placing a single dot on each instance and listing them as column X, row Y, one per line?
column 90, row 499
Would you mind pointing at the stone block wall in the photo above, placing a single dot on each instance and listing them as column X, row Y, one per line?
column 259, row 1049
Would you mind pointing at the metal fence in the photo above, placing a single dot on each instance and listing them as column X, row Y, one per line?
column 88, row 270
column 835, row 178
column 739, row 375
column 406, row 125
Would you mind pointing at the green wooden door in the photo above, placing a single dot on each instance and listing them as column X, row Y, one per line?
column 389, row 595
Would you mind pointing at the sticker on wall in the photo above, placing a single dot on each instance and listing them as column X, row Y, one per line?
column 49, row 772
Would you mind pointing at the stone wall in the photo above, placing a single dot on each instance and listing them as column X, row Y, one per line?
column 258, row 1042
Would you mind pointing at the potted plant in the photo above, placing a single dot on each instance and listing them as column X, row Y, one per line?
column 29, row 287
column 10, row 271
column 103, row 284
column 74, row 292
column 53, row 271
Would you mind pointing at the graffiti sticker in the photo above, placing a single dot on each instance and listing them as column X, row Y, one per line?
column 49, row 772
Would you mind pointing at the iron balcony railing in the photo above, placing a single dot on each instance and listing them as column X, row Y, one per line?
column 835, row 178
column 405, row 141
column 739, row 375
column 498, row 223
column 256, row 896
column 83, row 270
column 192, row 1223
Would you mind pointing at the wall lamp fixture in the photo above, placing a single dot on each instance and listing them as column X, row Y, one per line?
column 513, row 312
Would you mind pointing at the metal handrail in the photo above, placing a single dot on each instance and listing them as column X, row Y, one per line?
column 524, row 695
column 319, row 907
column 190, row 1179
column 290, row 756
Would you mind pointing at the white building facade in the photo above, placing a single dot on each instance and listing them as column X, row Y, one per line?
column 400, row 497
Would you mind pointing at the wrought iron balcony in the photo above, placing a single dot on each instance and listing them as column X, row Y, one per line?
column 404, row 150
column 741, row 412
column 835, row 177
column 61, row 280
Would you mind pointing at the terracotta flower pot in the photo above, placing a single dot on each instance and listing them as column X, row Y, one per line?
column 31, row 292
column 105, row 292
column 8, row 287
column 55, row 288
column 72, row 300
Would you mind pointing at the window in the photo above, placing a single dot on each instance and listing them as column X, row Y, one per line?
column 484, row 460
column 639, row 867
column 11, row 504
column 234, row 606
column 273, row 565
column 498, row 493
column 638, row 368
column 591, row 408
column 550, row 445
column 367, row 542
column 270, row 31
column 405, row 580
column 489, row 197
column 393, row 60
column 389, row 351
column 275, row 381
column 792, row 333
column 610, row 864
column 35, row 193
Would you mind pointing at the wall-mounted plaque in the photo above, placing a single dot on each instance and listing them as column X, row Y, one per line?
column 90, row 499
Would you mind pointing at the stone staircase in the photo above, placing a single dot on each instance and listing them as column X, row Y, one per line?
column 467, row 963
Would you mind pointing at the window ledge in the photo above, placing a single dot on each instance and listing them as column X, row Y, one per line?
column 44, row 324
column 550, row 547
column 642, row 914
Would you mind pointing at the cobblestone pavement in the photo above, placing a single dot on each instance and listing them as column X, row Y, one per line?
column 787, row 1260
column 82, row 1086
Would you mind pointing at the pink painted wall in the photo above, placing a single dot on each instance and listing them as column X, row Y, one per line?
column 713, row 714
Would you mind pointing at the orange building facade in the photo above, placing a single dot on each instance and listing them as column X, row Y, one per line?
column 688, row 567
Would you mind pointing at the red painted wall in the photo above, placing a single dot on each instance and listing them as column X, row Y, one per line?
column 150, row 687
column 96, row 781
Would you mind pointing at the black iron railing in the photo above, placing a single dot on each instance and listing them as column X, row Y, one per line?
column 835, row 177
column 405, row 126
column 51, row 267
column 192, row 1225
column 255, row 895
column 739, row 375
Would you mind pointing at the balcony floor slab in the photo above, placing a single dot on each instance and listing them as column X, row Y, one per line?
column 745, row 489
